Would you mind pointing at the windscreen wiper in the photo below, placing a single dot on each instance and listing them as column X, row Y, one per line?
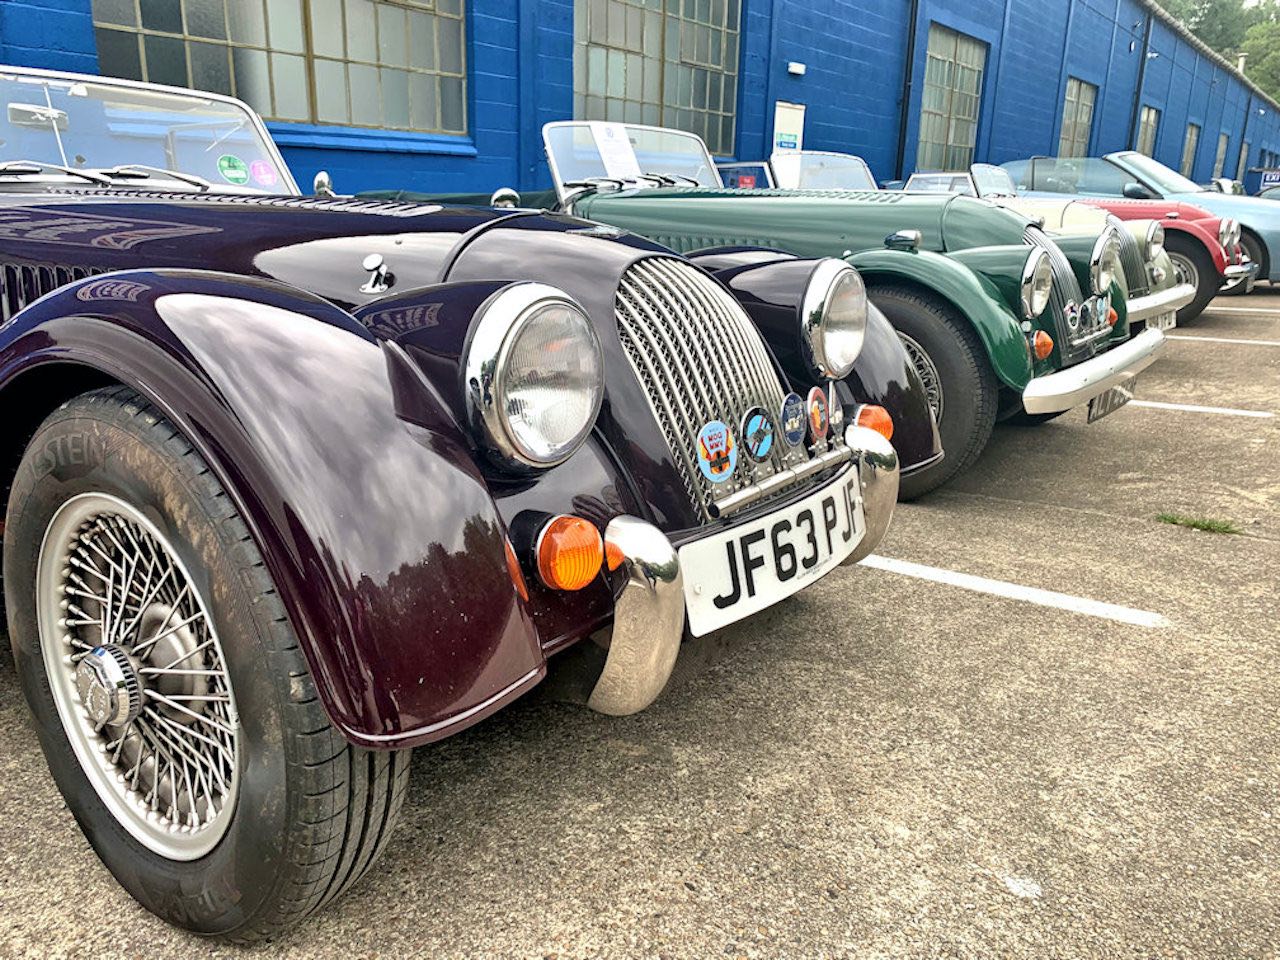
column 670, row 179
column 28, row 168
column 137, row 171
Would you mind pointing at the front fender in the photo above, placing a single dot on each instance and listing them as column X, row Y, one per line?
column 973, row 296
column 380, row 535
column 1198, row 231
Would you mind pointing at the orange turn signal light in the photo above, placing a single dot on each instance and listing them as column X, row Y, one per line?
column 1041, row 345
column 1112, row 317
column 570, row 553
column 875, row 418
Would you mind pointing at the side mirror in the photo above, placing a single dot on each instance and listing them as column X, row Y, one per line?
column 1136, row 191
column 505, row 198
column 906, row 240
column 322, row 185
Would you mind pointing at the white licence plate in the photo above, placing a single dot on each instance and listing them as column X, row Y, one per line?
column 1163, row 321
column 1112, row 400
column 741, row 571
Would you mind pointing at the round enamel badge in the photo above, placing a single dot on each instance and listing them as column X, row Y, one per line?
column 757, row 434
column 816, row 407
column 792, row 419
column 717, row 452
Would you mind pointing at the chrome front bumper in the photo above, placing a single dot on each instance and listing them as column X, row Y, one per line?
column 648, row 618
column 1162, row 301
column 1076, row 385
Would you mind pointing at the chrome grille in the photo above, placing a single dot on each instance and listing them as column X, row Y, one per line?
column 699, row 359
column 1078, row 327
column 1135, row 270
column 21, row 285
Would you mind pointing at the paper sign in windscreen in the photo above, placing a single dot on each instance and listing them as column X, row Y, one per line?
column 616, row 154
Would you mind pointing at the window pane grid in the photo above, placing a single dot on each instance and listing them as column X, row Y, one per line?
column 1148, row 126
column 951, row 100
column 1189, row 147
column 395, row 65
column 1077, row 118
column 667, row 63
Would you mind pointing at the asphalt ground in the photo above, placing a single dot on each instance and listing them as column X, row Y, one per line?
column 884, row 766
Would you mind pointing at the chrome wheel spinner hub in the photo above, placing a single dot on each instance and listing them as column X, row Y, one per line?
column 109, row 687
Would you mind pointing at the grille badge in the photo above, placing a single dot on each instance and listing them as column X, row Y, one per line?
column 818, row 416
column 717, row 451
column 757, row 434
column 793, row 420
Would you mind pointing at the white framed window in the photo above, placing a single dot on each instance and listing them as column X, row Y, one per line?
column 1189, row 146
column 1243, row 166
column 670, row 63
column 1077, row 118
column 951, row 100
column 369, row 63
column 1148, row 127
column 1220, row 158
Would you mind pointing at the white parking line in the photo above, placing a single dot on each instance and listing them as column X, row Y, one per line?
column 1270, row 313
column 1014, row 591
column 1194, row 408
column 1254, row 343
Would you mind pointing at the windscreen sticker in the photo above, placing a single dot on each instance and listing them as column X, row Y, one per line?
column 616, row 153
column 233, row 169
column 263, row 173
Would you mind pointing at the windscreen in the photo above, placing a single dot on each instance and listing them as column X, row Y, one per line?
column 941, row 183
column 1159, row 176
column 95, row 126
column 822, row 171
column 992, row 181
column 591, row 150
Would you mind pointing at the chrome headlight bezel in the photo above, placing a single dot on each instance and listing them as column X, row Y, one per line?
column 1104, row 261
column 502, row 320
column 830, row 279
column 1037, row 283
column 1155, row 240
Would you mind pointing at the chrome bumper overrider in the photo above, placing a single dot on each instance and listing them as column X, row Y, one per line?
column 1162, row 301
column 1235, row 271
column 648, row 619
column 1076, row 385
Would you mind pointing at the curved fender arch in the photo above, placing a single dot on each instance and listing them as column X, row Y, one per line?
column 1193, row 228
column 972, row 295
column 380, row 534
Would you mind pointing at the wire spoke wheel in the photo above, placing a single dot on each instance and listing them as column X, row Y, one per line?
column 138, row 675
column 1185, row 270
column 929, row 375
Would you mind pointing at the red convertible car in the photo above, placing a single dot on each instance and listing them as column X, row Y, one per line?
column 1205, row 249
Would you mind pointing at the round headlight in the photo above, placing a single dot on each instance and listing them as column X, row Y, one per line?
column 535, row 375
column 1037, row 284
column 1104, row 264
column 1155, row 241
column 833, row 318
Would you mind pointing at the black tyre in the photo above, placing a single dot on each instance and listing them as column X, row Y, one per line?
column 1192, row 264
column 172, row 702
column 1254, row 249
column 1021, row 418
column 953, row 365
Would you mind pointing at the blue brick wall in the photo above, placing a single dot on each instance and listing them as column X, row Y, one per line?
column 520, row 60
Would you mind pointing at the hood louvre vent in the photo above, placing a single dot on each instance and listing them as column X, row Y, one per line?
column 22, row 285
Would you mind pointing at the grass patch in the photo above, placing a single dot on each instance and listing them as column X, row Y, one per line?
column 1199, row 523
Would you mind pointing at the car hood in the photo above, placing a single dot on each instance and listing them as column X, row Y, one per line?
column 1058, row 215
column 1244, row 209
column 1127, row 209
column 806, row 222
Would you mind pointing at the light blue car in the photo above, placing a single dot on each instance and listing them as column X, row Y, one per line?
column 1137, row 177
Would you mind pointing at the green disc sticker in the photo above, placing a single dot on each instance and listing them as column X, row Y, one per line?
column 233, row 169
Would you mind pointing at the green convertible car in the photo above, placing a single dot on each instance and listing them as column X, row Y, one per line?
column 1000, row 320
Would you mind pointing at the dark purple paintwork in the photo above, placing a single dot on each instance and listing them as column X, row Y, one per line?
column 338, row 433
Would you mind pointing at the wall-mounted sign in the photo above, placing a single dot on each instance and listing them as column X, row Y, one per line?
column 788, row 126
column 1270, row 178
